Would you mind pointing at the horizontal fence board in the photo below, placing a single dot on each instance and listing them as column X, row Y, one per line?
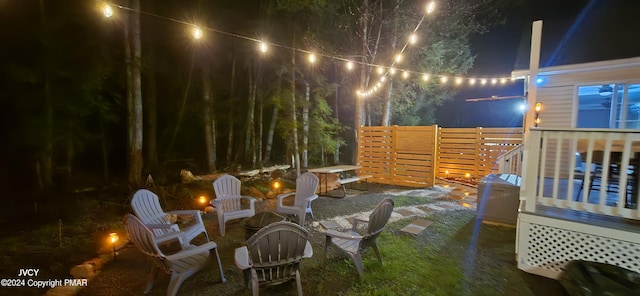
column 416, row 155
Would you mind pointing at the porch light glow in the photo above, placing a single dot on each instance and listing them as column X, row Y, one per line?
column 312, row 58
column 202, row 199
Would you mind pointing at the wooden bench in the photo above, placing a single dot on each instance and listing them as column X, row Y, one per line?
column 353, row 179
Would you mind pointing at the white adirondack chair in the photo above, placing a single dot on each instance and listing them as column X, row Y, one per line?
column 353, row 242
column 146, row 206
column 273, row 254
column 228, row 202
column 180, row 265
column 306, row 186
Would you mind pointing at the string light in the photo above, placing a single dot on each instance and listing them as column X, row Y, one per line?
column 413, row 38
column 198, row 33
column 263, row 47
column 431, row 7
column 107, row 10
column 349, row 65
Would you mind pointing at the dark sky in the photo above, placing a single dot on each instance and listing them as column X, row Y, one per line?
column 574, row 31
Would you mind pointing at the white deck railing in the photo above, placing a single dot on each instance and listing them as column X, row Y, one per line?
column 511, row 161
column 610, row 157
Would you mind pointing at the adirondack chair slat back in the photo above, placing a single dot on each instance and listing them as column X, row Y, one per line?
column 276, row 251
column 378, row 219
column 227, row 189
column 306, row 186
column 142, row 238
column 146, row 206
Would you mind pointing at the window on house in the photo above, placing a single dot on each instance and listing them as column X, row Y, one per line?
column 609, row 106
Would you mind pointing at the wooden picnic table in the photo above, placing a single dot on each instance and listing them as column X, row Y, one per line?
column 341, row 170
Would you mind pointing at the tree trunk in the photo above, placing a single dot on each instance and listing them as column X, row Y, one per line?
column 386, row 105
column 305, row 126
column 359, row 105
column 209, row 122
column 150, row 139
column 296, row 148
column 231, row 108
column 105, row 151
column 274, row 119
column 336, row 153
column 259, row 135
column 249, row 147
column 135, row 100
column 45, row 165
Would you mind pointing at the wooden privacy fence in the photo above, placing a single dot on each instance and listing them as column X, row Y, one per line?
column 415, row 155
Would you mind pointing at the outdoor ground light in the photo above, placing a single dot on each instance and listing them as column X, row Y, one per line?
column 113, row 238
column 276, row 185
column 202, row 199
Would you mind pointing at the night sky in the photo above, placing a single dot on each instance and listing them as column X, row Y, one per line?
column 574, row 31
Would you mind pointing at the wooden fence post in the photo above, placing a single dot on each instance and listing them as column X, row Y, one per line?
column 435, row 154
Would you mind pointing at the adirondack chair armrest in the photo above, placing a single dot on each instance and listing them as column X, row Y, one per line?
column 242, row 258
column 250, row 199
column 308, row 250
column 360, row 220
column 160, row 226
column 282, row 196
column 312, row 198
column 194, row 213
column 344, row 235
column 192, row 250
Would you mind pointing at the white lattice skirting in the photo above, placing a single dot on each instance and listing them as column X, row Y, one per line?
column 545, row 245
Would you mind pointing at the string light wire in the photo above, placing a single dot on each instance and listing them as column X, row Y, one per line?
column 197, row 32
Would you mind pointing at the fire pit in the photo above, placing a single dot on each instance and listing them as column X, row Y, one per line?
column 259, row 220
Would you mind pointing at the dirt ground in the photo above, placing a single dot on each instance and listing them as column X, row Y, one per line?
column 128, row 275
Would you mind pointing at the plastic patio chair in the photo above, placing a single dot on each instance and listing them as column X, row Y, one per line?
column 273, row 255
column 306, row 187
column 180, row 265
column 147, row 208
column 353, row 243
column 228, row 202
